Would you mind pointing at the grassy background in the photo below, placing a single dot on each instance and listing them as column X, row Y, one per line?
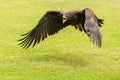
column 68, row 55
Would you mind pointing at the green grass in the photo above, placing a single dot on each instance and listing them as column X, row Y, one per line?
column 68, row 55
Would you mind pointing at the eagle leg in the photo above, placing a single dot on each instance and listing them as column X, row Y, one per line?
column 78, row 26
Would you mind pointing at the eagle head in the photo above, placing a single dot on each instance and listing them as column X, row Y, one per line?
column 71, row 16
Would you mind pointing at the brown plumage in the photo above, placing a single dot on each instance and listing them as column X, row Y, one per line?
column 53, row 21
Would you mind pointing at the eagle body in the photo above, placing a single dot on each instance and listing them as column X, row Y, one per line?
column 53, row 21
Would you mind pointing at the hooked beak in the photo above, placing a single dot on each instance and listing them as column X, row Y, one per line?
column 64, row 19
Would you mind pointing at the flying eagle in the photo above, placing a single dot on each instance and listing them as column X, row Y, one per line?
column 53, row 21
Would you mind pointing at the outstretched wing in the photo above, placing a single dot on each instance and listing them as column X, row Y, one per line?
column 49, row 24
column 91, row 26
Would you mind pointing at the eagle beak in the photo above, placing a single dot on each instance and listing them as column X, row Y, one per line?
column 64, row 19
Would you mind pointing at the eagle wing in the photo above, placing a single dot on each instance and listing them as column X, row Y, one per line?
column 91, row 27
column 49, row 24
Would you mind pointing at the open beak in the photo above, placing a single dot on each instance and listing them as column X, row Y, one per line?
column 64, row 19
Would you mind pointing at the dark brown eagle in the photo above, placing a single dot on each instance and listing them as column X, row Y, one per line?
column 53, row 21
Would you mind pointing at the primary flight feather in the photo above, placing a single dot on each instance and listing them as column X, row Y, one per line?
column 53, row 21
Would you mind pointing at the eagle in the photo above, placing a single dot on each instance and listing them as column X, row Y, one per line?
column 54, row 21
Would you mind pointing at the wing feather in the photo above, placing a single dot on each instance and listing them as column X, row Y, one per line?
column 49, row 24
column 91, row 27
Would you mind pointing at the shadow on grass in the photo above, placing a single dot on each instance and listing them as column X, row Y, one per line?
column 60, row 59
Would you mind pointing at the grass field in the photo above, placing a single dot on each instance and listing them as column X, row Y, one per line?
column 68, row 55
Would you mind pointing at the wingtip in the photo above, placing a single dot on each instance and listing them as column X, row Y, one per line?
column 96, row 40
column 25, row 33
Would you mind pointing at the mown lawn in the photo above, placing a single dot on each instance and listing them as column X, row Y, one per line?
column 68, row 55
